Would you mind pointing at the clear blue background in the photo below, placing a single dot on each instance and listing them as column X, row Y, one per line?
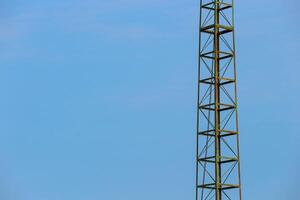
column 97, row 99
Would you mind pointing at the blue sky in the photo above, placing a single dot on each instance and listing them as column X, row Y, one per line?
column 98, row 98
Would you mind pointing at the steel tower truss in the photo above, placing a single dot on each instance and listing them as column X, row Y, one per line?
column 218, row 160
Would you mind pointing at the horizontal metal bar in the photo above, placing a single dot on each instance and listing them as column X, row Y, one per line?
column 208, row 186
column 206, row 80
column 210, row 81
column 215, row 107
column 210, row 29
column 229, row 134
column 224, row 133
column 220, row 159
column 210, row 6
column 222, row 54
column 230, row 186
column 226, row 6
column 221, row 186
column 228, row 81
column 229, row 107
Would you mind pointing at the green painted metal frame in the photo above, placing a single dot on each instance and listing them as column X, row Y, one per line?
column 217, row 94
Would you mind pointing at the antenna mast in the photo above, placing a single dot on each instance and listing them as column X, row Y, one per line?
column 218, row 158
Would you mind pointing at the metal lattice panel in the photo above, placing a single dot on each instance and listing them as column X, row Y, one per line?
column 218, row 160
